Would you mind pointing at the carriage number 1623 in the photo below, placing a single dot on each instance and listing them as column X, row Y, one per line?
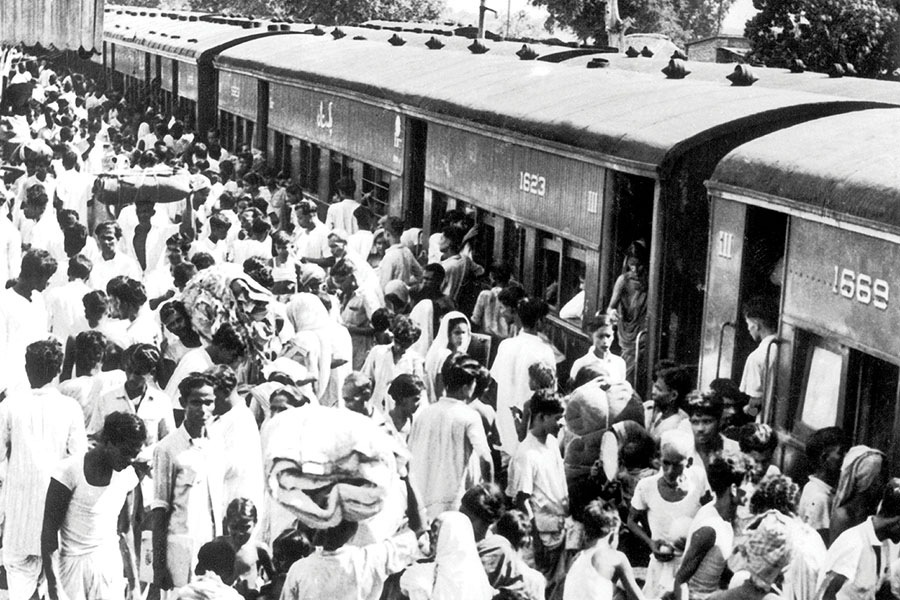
column 861, row 287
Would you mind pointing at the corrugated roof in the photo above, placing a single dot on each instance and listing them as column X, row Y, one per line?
column 613, row 112
column 845, row 167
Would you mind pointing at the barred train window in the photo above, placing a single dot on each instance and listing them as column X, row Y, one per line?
column 377, row 184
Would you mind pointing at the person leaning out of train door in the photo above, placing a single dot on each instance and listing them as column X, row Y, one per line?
column 761, row 317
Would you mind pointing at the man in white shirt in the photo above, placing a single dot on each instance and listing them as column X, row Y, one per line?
column 859, row 562
column 225, row 348
column 65, row 303
column 73, row 188
column 398, row 261
column 311, row 236
column 112, row 261
column 340, row 213
column 761, row 317
column 38, row 428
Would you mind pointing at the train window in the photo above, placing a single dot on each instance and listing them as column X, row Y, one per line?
column 822, row 387
column 281, row 153
column 872, row 392
column 249, row 134
column 572, row 280
column 309, row 167
column 377, row 185
column 548, row 281
column 514, row 248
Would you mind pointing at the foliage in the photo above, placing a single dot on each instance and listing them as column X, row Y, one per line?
column 329, row 12
column 824, row 32
column 681, row 20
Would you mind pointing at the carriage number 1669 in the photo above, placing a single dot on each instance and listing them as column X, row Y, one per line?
column 861, row 287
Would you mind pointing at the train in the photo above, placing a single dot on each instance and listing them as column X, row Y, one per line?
column 739, row 179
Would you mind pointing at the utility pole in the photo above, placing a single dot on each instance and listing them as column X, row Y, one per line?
column 481, row 10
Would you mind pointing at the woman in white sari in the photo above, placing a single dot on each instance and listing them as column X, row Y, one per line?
column 456, row 573
column 311, row 344
column 454, row 335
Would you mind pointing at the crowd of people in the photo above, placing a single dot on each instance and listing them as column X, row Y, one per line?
column 153, row 354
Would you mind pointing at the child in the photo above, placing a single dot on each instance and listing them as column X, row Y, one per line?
column 252, row 564
column 667, row 502
column 600, row 328
column 215, row 563
column 288, row 548
column 515, row 527
column 711, row 536
column 595, row 572
column 664, row 412
column 825, row 452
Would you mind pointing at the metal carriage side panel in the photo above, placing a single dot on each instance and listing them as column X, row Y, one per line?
column 238, row 94
column 187, row 80
column 845, row 283
column 531, row 185
column 359, row 130
column 166, row 74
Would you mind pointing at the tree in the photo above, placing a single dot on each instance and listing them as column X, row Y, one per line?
column 824, row 32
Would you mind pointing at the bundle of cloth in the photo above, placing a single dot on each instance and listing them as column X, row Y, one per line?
column 327, row 465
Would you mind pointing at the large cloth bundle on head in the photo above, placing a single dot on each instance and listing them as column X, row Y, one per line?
column 143, row 186
column 328, row 465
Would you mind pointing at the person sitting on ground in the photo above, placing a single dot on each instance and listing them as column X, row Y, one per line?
column 515, row 526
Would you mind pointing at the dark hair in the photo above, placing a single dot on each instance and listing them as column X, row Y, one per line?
column 241, row 508
column 203, row 260
column 182, row 273
column 90, row 350
column 179, row 241
column 381, row 319
column 405, row 330
column 345, row 186
column 484, row 501
column 820, row 442
column 775, row 492
column 80, row 267
column 890, row 499
column 460, row 370
column 404, row 385
column 96, row 306
column 113, row 226
column 437, row 270
column 43, row 361
column 227, row 338
column 224, row 378
column 501, row 272
column 708, row 405
column 454, row 236
column 172, row 307
column 515, row 526
column 393, row 226
column 754, row 437
column 545, row 402
column 192, row 382
column 38, row 263
column 216, row 556
column 290, row 546
column 678, row 379
column 724, row 472
column 510, row 295
column 364, row 217
column 335, row 537
column 531, row 310
column 128, row 291
column 141, row 359
column 74, row 239
column 600, row 519
column 598, row 322
column 123, row 428
column 763, row 310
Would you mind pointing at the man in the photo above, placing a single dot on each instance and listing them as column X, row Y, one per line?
column 858, row 562
column 705, row 414
column 89, row 380
column 23, row 316
column 398, row 261
column 431, row 304
column 73, row 188
column 216, row 245
column 87, row 512
column 761, row 317
column 340, row 213
column 64, row 303
column 10, row 245
column 311, row 236
column 233, row 421
column 443, row 437
column 38, row 428
column 148, row 244
column 225, row 347
column 112, row 262
column 188, row 476
column 510, row 368
column 37, row 225
column 459, row 269
column 385, row 361
column 537, row 480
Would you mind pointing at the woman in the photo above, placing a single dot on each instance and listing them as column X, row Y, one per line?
column 628, row 305
column 358, row 304
column 453, row 335
column 311, row 344
column 284, row 264
column 456, row 572
column 379, row 245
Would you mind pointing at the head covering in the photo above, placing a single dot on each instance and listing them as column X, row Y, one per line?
column 439, row 350
column 765, row 551
column 312, row 339
column 398, row 289
column 310, row 272
column 410, row 238
column 306, row 312
column 291, row 368
column 860, row 469
column 199, row 182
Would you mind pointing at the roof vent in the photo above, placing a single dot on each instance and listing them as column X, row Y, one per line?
column 797, row 66
column 742, row 77
column 151, row 32
column 597, row 63
column 272, row 27
column 193, row 18
column 678, row 55
column 631, row 52
column 646, row 52
column 676, row 69
column 434, row 44
column 192, row 40
column 176, row 37
column 526, row 52
column 338, row 33
column 315, row 31
column 836, row 71
column 477, row 47
column 359, row 37
column 284, row 27
column 143, row 13
column 396, row 40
